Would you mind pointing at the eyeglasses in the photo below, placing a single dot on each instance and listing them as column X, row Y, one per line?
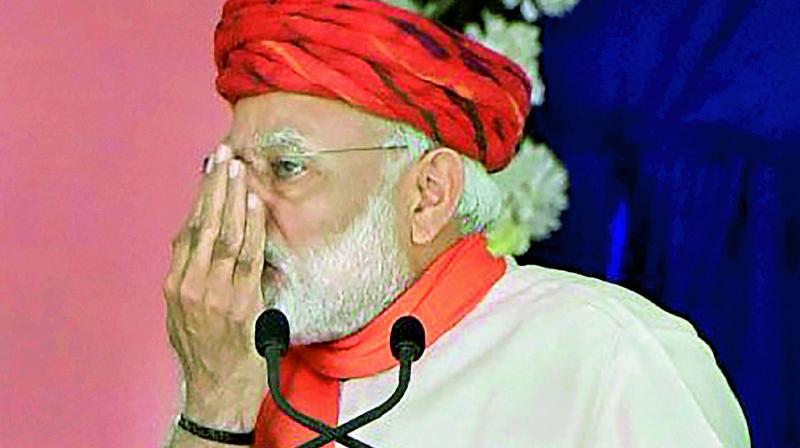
column 304, row 152
column 290, row 169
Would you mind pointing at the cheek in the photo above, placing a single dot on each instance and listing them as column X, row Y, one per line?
column 323, row 211
column 297, row 224
column 308, row 224
column 293, row 222
column 402, row 214
column 403, row 198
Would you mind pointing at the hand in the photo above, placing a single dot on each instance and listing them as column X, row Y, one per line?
column 213, row 297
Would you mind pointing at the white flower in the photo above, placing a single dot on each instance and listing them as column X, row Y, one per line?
column 530, row 9
column 535, row 185
column 556, row 7
column 526, row 7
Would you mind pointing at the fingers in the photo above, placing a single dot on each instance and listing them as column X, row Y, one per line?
column 213, row 285
column 197, row 267
column 249, row 264
column 181, row 248
column 229, row 241
column 195, row 218
column 181, row 243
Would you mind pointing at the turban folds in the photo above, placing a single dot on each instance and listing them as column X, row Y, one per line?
column 385, row 60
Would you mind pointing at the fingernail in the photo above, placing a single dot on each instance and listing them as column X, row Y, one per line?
column 223, row 153
column 252, row 201
column 208, row 164
column 233, row 168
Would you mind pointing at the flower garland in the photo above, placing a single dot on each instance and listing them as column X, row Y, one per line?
column 535, row 182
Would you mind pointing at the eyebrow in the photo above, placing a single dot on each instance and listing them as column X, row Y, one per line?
column 286, row 138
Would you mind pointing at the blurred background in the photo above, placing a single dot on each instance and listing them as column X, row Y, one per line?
column 677, row 121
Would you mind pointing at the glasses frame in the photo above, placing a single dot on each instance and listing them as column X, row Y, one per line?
column 332, row 151
column 306, row 153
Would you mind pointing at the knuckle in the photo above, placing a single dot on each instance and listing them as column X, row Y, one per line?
column 225, row 245
column 175, row 242
column 168, row 290
column 178, row 240
column 226, row 237
column 224, row 248
column 170, row 285
column 216, row 308
column 195, row 223
column 208, row 231
column 189, row 293
column 246, row 263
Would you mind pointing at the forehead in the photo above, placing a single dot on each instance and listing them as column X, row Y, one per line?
column 291, row 119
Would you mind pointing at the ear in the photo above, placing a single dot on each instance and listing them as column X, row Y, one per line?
column 437, row 190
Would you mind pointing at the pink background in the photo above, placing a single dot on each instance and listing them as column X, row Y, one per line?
column 106, row 112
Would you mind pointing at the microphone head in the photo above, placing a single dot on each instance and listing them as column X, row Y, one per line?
column 272, row 329
column 407, row 330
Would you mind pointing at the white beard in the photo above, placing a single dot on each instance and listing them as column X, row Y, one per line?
column 335, row 290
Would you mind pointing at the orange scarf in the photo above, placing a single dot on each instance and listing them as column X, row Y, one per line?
column 453, row 284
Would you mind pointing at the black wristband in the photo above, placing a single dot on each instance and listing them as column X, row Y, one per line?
column 217, row 435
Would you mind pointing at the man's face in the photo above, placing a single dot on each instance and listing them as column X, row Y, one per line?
column 331, row 227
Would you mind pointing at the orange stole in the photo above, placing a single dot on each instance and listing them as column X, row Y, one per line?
column 451, row 287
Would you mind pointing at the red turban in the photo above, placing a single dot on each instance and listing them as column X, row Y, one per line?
column 385, row 60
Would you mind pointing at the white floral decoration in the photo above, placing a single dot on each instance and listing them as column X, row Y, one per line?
column 535, row 182
column 535, row 185
column 530, row 8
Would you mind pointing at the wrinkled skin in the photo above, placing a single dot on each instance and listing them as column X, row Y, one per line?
column 213, row 290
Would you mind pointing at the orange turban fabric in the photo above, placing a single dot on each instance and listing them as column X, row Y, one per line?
column 385, row 60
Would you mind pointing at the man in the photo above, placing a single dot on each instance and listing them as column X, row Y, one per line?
column 350, row 190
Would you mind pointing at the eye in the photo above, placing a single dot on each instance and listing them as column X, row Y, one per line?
column 288, row 168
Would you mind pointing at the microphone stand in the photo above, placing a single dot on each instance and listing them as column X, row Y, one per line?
column 373, row 414
column 407, row 342
column 273, row 355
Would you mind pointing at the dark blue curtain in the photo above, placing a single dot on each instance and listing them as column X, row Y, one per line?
column 678, row 121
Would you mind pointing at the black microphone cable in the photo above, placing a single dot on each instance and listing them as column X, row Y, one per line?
column 272, row 341
column 407, row 342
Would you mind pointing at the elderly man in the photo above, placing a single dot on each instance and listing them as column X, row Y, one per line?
column 352, row 189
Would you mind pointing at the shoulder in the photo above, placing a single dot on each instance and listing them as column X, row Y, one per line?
column 584, row 316
column 559, row 293
column 645, row 354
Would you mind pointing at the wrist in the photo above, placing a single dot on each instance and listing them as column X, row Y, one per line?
column 234, row 410
column 191, row 432
column 225, row 419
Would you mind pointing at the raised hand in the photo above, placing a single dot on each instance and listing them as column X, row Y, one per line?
column 213, row 297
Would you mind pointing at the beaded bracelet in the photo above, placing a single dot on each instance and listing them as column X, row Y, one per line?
column 217, row 435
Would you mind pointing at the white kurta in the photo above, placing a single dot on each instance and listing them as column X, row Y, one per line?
column 551, row 358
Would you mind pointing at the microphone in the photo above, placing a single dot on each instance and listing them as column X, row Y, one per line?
column 407, row 342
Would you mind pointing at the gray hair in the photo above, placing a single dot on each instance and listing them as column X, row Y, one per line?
column 480, row 203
